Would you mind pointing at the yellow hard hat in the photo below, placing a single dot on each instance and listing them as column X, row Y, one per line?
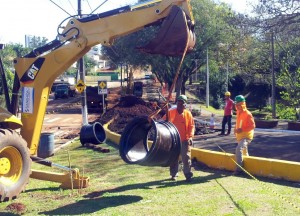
column 227, row 93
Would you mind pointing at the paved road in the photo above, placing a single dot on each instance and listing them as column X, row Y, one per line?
column 274, row 143
column 64, row 119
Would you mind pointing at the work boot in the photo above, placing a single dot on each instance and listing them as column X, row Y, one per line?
column 188, row 178
column 239, row 173
column 221, row 134
column 173, row 178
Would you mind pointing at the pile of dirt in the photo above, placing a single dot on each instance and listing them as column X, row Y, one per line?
column 125, row 111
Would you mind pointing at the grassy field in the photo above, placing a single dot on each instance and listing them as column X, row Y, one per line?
column 117, row 188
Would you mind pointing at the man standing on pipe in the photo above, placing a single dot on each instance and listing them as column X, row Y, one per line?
column 184, row 122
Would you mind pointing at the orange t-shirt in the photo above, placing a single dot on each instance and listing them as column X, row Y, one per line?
column 183, row 122
column 179, row 123
column 245, row 121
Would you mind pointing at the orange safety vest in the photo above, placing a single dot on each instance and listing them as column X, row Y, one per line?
column 189, row 122
column 245, row 121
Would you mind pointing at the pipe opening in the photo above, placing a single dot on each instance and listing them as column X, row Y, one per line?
column 155, row 143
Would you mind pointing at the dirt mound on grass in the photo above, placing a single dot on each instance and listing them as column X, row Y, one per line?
column 125, row 111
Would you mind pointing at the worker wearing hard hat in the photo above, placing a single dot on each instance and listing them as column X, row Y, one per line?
column 244, row 131
column 227, row 114
column 183, row 120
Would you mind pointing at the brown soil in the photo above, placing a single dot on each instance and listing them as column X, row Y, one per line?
column 125, row 111
column 16, row 208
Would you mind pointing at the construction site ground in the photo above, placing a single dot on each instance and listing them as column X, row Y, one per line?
column 276, row 143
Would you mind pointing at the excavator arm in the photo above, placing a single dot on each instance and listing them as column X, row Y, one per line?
column 38, row 70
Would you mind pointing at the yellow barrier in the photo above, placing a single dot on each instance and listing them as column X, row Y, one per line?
column 271, row 168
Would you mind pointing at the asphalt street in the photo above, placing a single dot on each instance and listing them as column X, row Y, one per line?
column 276, row 143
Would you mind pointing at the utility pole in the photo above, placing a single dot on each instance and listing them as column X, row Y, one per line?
column 207, row 79
column 227, row 71
column 273, row 79
column 82, row 77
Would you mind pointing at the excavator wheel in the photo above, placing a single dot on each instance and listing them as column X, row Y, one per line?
column 15, row 164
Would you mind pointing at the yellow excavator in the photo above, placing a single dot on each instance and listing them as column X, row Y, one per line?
column 36, row 72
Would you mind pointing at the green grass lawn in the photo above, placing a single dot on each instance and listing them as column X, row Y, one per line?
column 117, row 188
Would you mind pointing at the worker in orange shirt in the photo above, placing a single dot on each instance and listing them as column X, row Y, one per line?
column 184, row 122
column 244, row 131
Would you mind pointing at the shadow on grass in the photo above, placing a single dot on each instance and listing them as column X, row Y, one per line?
column 43, row 189
column 8, row 214
column 153, row 184
column 231, row 198
column 93, row 205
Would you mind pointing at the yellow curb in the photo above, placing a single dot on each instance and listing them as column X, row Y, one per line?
column 264, row 167
column 258, row 166
column 111, row 136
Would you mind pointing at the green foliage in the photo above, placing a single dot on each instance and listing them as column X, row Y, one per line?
column 71, row 71
column 290, row 80
column 285, row 112
column 37, row 41
column 211, row 21
column 7, row 55
column 89, row 64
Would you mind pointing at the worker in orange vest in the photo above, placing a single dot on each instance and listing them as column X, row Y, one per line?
column 183, row 120
column 244, row 131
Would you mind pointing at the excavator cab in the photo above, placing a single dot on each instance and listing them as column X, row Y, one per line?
column 174, row 37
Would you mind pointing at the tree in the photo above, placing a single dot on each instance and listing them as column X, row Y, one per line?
column 289, row 79
column 279, row 16
column 7, row 55
column 89, row 64
column 211, row 19
column 36, row 41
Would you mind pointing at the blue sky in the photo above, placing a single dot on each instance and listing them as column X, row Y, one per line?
column 41, row 17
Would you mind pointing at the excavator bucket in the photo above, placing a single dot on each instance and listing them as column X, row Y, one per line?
column 175, row 35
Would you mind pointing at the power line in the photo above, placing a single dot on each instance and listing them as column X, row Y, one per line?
column 60, row 8
column 99, row 6
column 72, row 7
column 89, row 5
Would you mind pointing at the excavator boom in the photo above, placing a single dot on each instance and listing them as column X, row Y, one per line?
column 38, row 70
